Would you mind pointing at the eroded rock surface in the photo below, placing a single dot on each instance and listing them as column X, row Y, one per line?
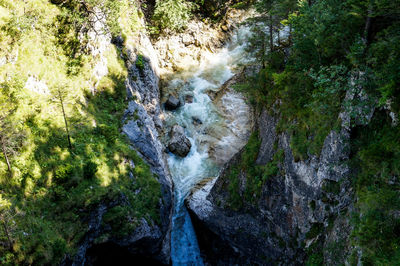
column 172, row 103
column 141, row 124
column 270, row 228
column 179, row 144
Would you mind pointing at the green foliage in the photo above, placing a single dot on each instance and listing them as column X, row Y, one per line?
column 119, row 218
column 89, row 170
column 335, row 53
column 46, row 203
column 315, row 259
column 254, row 179
column 139, row 62
column 235, row 199
column 63, row 173
column 310, row 87
column 256, row 175
column 85, row 14
column 172, row 14
column 245, row 167
column 383, row 57
column 322, row 33
column 377, row 158
column 316, row 229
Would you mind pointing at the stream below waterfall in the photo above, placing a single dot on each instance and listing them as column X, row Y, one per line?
column 216, row 128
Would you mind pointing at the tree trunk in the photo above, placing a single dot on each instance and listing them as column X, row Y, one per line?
column 65, row 120
column 367, row 25
column 3, row 148
column 271, row 34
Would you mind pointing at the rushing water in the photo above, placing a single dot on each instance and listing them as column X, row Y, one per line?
column 215, row 130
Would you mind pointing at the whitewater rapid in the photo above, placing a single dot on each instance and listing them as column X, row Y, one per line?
column 224, row 127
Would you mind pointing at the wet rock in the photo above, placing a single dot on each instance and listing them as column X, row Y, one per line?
column 179, row 144
column 182, row 50
column 196, row 121
column 303, row 194
column 172, row 103
column 118, row 41
column 189, row 98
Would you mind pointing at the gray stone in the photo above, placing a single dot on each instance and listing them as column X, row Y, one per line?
column 196, row 121
column 179, row 144
column 172, row 103
column 282, row 214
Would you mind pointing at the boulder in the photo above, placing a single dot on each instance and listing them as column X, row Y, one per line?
column 196, row 121
column 179, row 144
column 189, row 98
column 172, row 103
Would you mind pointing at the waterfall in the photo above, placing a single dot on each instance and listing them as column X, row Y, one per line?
column 214, row 129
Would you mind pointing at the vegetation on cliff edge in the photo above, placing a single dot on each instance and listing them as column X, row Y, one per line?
column 338, row 56
column 62, row 151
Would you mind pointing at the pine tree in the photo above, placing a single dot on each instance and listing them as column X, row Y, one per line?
column 60, row 94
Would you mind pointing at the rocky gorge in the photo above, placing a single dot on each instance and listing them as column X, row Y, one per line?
column 306, row 202
column 144, row 125
column 304, row 197
column 199, row 132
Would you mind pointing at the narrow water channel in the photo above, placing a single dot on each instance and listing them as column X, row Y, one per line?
column 210, row 131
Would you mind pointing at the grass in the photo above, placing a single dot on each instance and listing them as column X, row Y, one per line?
column 53, row 190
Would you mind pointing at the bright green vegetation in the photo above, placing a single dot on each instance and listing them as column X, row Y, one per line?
column 139, row 62
column 170, row 16
column 52, row 186
column 337, row 48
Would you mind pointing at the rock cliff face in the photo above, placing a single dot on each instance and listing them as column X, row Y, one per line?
column 301, row 208
column 141, row 125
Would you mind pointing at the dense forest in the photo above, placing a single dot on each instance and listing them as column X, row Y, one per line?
column 63, row 152
column 340, row 55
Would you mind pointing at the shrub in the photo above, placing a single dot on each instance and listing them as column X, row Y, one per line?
column 315, row 259
column 63, row 174
column 315, row 230
column 109, row 132
column 59, row 248
column 172, row 14
column 139, row 62
column 89, row 170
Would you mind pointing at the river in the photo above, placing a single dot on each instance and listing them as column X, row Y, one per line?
column 216, row 130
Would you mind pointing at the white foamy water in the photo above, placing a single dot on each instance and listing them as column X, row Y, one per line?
column 223, row 131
